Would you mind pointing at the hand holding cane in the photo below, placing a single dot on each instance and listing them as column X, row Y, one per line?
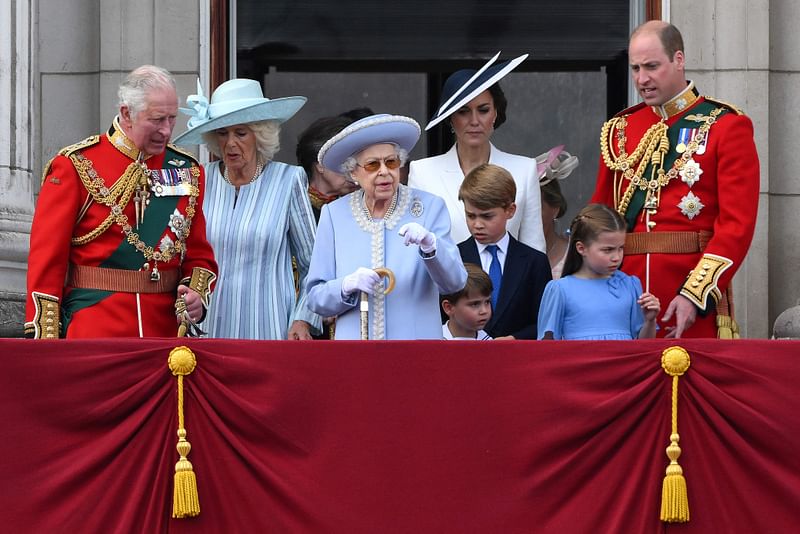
column 383, row 273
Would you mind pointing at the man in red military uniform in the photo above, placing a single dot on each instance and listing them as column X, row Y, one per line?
column 683, row 170
column 118, row 243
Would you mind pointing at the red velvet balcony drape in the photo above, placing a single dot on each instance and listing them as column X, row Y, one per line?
column 404, row 437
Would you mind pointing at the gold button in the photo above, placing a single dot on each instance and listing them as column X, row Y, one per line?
column 695, row 284
column 706, row 266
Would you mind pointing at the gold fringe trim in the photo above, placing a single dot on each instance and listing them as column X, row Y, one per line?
column 185, row 500
column 674, row 499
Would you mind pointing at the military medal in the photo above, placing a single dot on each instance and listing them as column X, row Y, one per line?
column 690, row 173
column 171, row 182
column 685, row 135
column 155, row 276
column 691, row 205
column 701, row 145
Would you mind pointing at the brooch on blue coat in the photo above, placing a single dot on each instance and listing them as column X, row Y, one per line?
column 416, row 207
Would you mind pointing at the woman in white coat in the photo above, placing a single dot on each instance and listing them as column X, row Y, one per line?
column 475, row 105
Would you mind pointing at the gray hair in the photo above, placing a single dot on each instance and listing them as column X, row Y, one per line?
column 351, row 163
column 267, row 139
column 132, row 93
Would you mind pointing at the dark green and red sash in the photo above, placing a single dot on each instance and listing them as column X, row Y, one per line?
column 156, row 220
column 673, row 133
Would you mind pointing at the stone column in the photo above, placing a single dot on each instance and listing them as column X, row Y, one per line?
column 728, row 55
column 784, row 134
column 16, row 158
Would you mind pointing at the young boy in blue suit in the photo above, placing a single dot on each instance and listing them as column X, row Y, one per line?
column 518, row 273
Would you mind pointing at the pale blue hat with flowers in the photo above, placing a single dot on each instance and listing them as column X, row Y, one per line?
column 373, row 130
column 237, row 101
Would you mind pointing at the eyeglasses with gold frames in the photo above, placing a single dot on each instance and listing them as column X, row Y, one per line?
column 391, row 162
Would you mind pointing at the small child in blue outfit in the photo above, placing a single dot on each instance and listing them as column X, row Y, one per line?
column 594, row 299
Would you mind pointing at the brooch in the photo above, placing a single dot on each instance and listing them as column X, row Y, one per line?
column 691, row 172
column 417, row 207
column 690, row 205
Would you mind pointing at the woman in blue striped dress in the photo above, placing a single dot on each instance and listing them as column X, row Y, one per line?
column 257, row 215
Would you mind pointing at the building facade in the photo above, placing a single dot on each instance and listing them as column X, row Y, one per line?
column 58, row 85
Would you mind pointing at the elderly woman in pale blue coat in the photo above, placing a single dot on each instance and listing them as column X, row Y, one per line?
column 384, row 224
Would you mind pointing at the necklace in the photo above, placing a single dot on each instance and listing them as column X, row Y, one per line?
column 259, row 168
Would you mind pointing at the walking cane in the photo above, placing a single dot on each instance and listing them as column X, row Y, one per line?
column 383, row 272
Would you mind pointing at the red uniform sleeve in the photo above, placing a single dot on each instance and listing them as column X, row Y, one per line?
column 604, row 187
column 60, row 200
column 737, row 193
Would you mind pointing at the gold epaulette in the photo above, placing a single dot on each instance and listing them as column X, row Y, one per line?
column 724, row 104
column 631, row 110
column 183, row 152
column 69, row 150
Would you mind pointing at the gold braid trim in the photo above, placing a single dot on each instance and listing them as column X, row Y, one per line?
column 652, row 148
column 117, row 199
column 46, row 322
column 201, row 281
column 68, row 151
column 702, row 281
column 117, row 195
column 722, row 103
column 184, row 152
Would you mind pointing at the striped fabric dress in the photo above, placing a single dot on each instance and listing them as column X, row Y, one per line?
column 254, row 238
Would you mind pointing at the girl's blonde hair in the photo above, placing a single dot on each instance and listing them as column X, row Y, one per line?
column 587, row 225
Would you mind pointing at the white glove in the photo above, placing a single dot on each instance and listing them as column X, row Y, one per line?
column 362, row 279
column 416, row 234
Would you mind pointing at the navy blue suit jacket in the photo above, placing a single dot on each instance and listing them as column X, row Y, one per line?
column 525, row 274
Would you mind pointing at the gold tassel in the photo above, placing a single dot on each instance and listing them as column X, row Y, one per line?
column 724, row 327
column 674, row 499
column 185, row 502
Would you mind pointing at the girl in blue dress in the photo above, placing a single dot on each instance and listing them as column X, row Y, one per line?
column 593, row 299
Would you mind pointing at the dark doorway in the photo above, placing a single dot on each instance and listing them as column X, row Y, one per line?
column 394, row 56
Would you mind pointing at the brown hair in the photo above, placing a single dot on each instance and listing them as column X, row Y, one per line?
column 488, row 186
column 552, row 195
column 478, row 282
column 670, row 37
column 590, row 222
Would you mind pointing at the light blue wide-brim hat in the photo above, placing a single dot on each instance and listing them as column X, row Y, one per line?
column 464, row 85
column 237, row 101
column 372, row 130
